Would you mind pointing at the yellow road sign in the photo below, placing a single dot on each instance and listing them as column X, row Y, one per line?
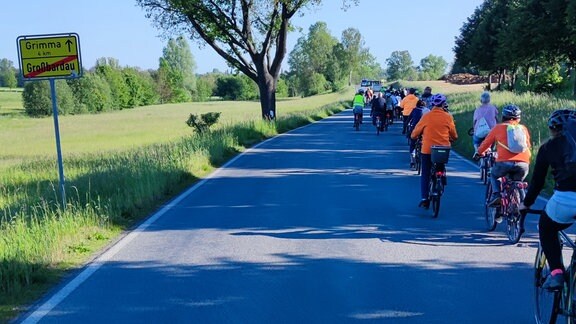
column 49, row 56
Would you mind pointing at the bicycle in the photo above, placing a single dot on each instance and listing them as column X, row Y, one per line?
column 438, row 179
column 512, row 195
column 549, row 304
column 486, row 162
column 356, row 121
column 418, row 156
column 379, row 126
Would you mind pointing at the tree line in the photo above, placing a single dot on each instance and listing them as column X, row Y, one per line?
column 319, row 62
column 529, row 44
column 109, row 86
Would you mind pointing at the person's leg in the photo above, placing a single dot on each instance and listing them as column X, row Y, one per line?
column 499, row 170
column 548, row 230
column 519, row 173
column 426, row 160
column 405, row 125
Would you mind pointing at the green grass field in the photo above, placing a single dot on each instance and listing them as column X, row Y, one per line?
column 24, row 138
column 119, row 167
column 10, row 103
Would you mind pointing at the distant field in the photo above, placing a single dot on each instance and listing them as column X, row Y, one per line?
column 11, row 102
column 23, row 138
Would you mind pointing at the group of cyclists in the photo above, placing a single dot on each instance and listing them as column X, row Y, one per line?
column 426, row 117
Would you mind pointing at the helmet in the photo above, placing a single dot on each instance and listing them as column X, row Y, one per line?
column 511, row 111
column 559, row 117
column 438, row 100
column 485, row 97
column 412, row 90
column 428, row 89
column 361, row 91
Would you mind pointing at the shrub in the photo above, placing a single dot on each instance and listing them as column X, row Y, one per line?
column 203, row 124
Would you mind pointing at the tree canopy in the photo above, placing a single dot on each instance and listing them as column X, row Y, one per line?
column 249, row 34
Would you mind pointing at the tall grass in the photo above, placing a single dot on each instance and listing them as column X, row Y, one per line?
column 107, row 192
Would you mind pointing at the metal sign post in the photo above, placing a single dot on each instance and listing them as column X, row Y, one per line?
column 51, row 57
column 58, row 148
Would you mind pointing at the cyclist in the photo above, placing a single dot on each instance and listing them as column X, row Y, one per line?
column 407, row 104
column 358, row 104
column 560, row 210
column 413, row 119
column 485, row 118
column 427, row 97
column 391, row 104
column 378, row 109
column 513, row 148
column 437, row 128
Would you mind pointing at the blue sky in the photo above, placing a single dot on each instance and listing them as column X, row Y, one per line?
column 119, row 29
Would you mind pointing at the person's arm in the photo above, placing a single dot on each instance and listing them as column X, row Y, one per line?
column 419, row 128
column 538, row 176
column 453, row 133
column 487, row 142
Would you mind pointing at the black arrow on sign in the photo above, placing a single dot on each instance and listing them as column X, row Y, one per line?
column 69, row 42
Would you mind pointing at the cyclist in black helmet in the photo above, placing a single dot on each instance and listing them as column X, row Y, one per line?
column 559, row 154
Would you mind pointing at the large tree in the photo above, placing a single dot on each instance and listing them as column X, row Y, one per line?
column 176, row 72
column 249, row 34
column 433, row 67
column 400, row 66
column 7, row 74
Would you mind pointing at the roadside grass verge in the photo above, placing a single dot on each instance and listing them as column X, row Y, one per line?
column 107, row 193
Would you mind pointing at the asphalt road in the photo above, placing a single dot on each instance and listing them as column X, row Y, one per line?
column 319, row 225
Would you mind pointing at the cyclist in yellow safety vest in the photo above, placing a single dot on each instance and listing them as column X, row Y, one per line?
column 358, row 104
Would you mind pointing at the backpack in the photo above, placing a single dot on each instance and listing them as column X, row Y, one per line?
column 482, row 128
column 517, row 141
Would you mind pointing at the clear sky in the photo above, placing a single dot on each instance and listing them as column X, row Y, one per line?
column 119, row 28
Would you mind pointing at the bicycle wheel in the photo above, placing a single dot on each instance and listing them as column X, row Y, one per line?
column 513, row 224
column 546, row 303
column 436, row 199
column 418, row 163
column 489, row 212
column 378, row 126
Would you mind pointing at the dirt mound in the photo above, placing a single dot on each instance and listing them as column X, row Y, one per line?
column 464, row 78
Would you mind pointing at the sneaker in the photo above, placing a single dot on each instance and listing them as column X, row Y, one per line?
column 498, row 219
column 554, row 282
column 495, row 201
column 424, row 203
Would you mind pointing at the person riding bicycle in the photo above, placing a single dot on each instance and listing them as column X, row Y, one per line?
column 407, row 104
column 558, row 153
column 358, row 104
column 391, row 103
column 513, row 148
column 437, row 128
column 413, row 119
column 427, row 97
column 485, row 118
column 378, row 109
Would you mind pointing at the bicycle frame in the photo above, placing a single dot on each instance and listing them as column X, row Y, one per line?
column 437, row 182
column 563, row 300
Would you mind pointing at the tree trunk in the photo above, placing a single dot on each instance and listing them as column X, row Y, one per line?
column 267, row 88
column 527, row 75
column 489, row 82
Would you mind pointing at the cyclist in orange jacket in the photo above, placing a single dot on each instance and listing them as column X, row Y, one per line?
column 408, row 104
column 513, row 148
column 437, row 128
